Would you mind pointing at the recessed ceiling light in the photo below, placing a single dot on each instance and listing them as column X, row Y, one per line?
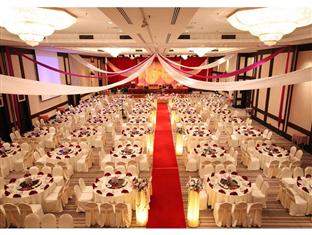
column 109, row 22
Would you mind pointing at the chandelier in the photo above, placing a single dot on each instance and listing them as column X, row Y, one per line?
column 114, row 52
column 32, row 25
column 201, row 51
column 271, row 24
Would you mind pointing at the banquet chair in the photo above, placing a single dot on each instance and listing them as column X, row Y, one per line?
column 66, row 221
column 239, row 214
column 232, row 157
column 308, row 171
column 265, row 133
column 298, row 171
column 298, row 155
column 271, row 169
column 66, row 193
column 269, row 135
column 46, row 170
column 13, row 137
column 49, row 141
column 40, row 165
column 123, row 215
column 18, row 161
column 50, row 164
column 121, row 169
column 254, row 214
column 222, row 214
column 206, row 170
column 230, row 168
column 133, row 170
column 285, row 172
column 203, row 199
column 67, row 169
column 297, row 204
column 83, row 187
column 32, row 221
column 12, row 214
column 82, row 198
column 1, row 186
column 26, row 209
column 268, row 142
column 219, row 168
column 91, row 213
column 103, row 157
column 52, row 130
column 82, row 163
column 191, row 163
column 48, row 221
column 143, row 163
column 295, row 164
column 58, row 175
column 53, row 201
column 260, row 195
column 17, row 134
column 36, row 156
column 106, row 216
column 109, row 169
column 292, row 151
column 4, row 169
column 37, row 123
column 253, row 161
column 285, row 163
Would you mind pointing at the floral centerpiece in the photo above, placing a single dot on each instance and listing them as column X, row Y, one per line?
column 195, row 184
column 140, row 184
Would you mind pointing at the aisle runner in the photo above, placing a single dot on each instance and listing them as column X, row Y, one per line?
column 166, row 208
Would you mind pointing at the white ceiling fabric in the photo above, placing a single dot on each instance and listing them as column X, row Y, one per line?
column 85, row 63
column 207, row 66
column 299, row 76
column 15, row 85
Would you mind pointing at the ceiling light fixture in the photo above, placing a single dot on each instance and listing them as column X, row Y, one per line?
column 200, row 51
column 32, row 25
column 271, row 24
column 114, row 52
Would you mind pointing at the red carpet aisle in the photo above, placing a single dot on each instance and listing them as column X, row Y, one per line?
column 166, row 208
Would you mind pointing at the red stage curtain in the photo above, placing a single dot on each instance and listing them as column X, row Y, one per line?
column 194, row 62
column 121, row 63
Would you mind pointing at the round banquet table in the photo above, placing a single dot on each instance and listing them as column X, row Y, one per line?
column 85, row 133
column 134, row 132
column 125, row 153
column 106, row 192
column 245, row 132
column 304, row 189
column 191, row 120
column 210, row 152
column 140, row 112
column 271, row 152
column 59, row 120
column 101, row 120
column 232, row 120
column 37, row 135
column 138, row 120
column 17, row 190
column 198, row 131
column 8, row 155
column 227, row 187
column 68, row 155
column 186, row 111
column 220, row 111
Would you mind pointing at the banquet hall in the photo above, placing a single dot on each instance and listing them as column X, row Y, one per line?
column 155, row 117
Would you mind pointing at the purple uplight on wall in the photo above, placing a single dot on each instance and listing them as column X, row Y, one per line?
column 46, row 75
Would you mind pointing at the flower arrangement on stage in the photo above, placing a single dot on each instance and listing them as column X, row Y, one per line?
column 140, row 183
column 195, row 184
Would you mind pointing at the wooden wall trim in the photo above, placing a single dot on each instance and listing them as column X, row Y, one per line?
column 48, row 110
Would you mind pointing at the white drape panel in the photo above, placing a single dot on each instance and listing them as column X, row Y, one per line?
column 201, row 67
column 299, row 76
column 14, row 85
column 85, row 63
